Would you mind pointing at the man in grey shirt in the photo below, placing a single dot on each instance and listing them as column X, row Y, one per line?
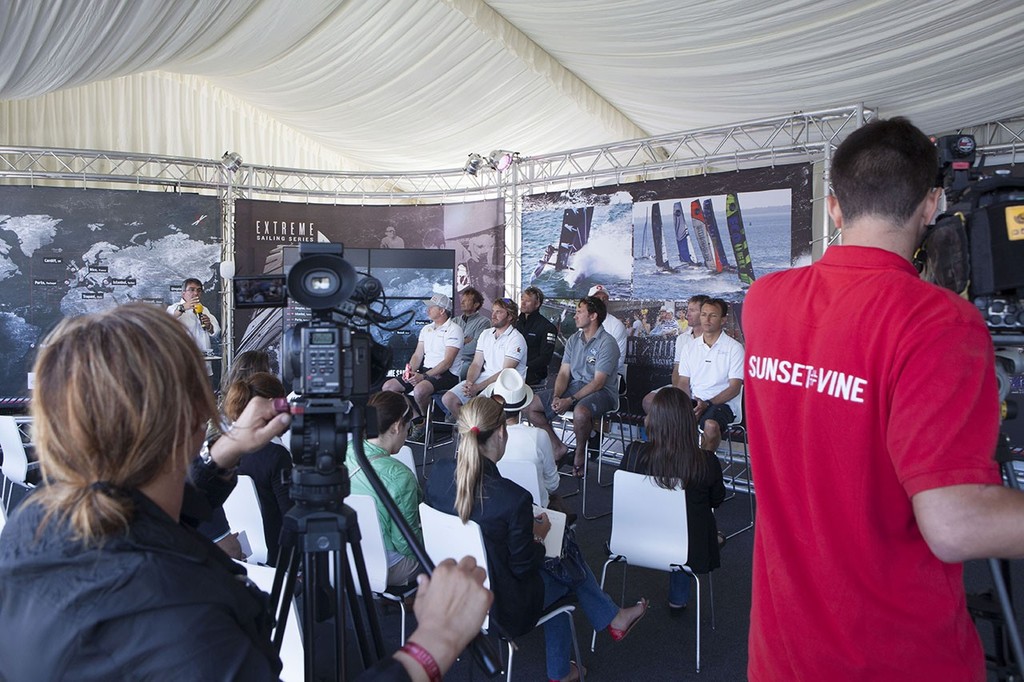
column 586, row 382
column 472, row 323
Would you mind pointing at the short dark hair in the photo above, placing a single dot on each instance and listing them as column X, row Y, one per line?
column 595, row 306
column 699, row 299
column 885, row 168
column 719, row 303
column 191, row 280
column 536, row 293
column 478, row 298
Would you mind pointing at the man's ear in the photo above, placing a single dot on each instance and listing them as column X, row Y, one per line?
column 834, row 211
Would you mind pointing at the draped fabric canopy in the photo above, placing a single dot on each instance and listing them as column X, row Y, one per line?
column 401, row 85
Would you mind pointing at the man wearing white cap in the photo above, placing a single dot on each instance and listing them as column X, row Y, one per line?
column 613, row 326
column 525, row 442
column 435, row 359
column 498, row 348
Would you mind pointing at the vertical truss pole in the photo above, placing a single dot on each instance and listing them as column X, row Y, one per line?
column 513, row 236
column 227, row 254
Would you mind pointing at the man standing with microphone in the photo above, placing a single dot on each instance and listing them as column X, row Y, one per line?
column 202, row 326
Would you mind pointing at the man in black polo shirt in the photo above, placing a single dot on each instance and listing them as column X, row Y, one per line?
column 540, row 335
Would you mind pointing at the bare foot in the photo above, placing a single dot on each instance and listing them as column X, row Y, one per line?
column 625, row 619
column 579, row 464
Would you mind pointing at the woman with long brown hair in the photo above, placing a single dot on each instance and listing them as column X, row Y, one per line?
column 672, row 457
column 523, row 584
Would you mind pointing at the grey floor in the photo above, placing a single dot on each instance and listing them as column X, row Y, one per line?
column 662, row 646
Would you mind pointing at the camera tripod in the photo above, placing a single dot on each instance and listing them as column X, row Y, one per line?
column 316, row 536
column 997, row 609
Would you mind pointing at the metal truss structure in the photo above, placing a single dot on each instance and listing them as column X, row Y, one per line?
column 794, row 138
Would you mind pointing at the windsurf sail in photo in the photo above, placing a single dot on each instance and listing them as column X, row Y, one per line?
column 738, row 236
column 682, row 235
column 659, row 255
column 575, row 234
column 711, row 222
column 701, row 230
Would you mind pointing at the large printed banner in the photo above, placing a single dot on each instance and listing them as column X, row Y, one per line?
column 654, row 244
column 437, row 249
column 475, row 231
column 65, row 252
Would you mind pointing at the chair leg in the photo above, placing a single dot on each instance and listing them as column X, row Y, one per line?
column 508, row 666
column 604, row 573
column 697, row 580
column 586, row 471
column 575, row 644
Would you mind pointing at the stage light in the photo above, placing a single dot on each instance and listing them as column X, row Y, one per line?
column 501, row 159
column 474, row 164
column 231, row 161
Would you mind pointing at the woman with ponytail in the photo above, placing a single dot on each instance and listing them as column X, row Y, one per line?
column 471, row 488
column 672, row 457
column 101, row 578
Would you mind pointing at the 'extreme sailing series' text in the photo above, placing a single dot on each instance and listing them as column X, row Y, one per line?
column 283, row 231
column 828, row 381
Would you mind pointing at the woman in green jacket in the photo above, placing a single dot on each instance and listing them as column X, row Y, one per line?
column 393, row 417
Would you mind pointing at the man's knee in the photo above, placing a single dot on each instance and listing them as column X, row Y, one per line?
column 393, row 385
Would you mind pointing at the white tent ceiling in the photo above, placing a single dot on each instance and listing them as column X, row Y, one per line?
column 399, row 85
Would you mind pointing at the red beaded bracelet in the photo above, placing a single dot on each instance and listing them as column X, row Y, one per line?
column 424, row 658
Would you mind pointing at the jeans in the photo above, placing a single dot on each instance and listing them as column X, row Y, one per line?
column 679, row 588
column 598, row 607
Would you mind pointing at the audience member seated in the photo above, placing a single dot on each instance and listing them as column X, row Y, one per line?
column 711, row 373
column 524, row 441
column 540, row 334
column 498, row 348
column 435, row 365
column 243, row 366
column 271, row 466
column 613, row 326
column 672, row 457
column 100, row 576
column 692, row 332
column 524, row 583
column 394, row 415
column 473, row 323
column 585, row 383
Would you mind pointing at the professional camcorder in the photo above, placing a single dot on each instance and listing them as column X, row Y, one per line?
column 976, row 248
column 330, row 361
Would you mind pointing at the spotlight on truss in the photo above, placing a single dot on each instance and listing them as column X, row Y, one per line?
column 501, row 159
column 474, row 164
column 231, row 161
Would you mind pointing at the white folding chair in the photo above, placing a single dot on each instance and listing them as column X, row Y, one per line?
column 243, row 511
column 15, row 467
column 293, row 658
column 524, row 474
column 446, row 537
column 649, row 530
column 375, row 555
column 405, row 457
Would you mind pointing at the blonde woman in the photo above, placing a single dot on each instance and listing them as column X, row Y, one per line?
column 471, row 487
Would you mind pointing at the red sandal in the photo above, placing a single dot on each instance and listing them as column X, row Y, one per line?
column 619, row 635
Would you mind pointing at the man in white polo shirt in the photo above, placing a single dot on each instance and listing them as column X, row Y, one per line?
column 434, row 365
column 711, row 372
column 499, row 347
column 692, row 332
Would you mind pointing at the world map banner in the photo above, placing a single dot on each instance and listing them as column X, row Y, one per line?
column 65, row 252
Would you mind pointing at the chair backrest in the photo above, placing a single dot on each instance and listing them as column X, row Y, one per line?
column 292, row 656
column 244, row 513
column 446, row 537
column 648, row 522
column 15, row 463
column 523, row 473
column 405, row 457
column 375, row 556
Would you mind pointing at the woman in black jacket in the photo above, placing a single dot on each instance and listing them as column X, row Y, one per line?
column 523, row 587
column 672, row 456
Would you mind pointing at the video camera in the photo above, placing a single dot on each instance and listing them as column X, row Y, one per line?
column 328, row 362
column 976, row 248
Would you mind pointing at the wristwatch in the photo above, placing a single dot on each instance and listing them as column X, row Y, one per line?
column 574, row 401
column 181, row 309
column 207, row 457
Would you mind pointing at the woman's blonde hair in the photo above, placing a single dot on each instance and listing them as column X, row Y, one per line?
column 479, row 419
column 119, row 399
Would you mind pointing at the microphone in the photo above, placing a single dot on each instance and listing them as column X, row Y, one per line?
column 198, row 310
